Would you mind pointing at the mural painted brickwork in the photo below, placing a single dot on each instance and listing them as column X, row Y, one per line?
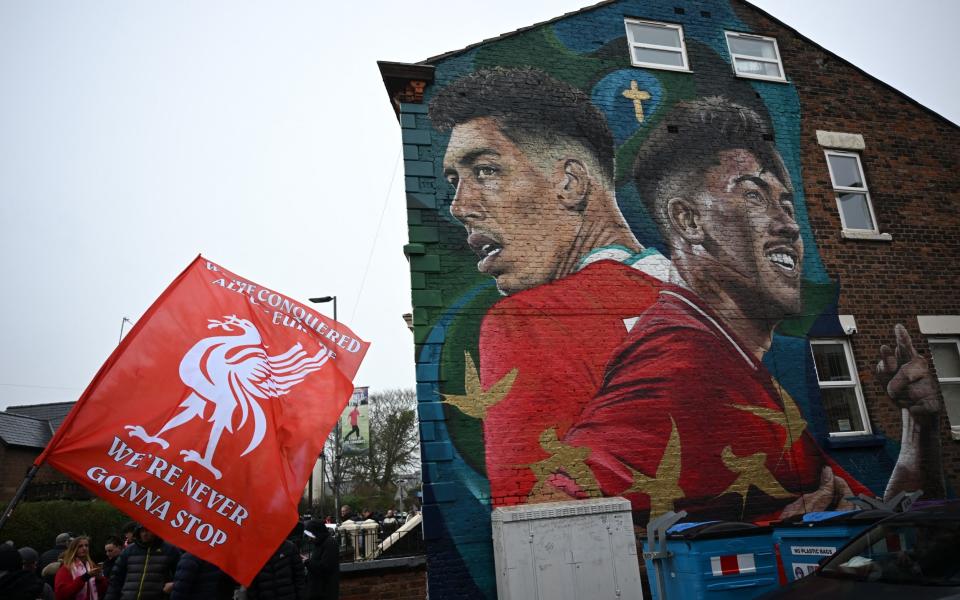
column 911, row 162
column 628, row 281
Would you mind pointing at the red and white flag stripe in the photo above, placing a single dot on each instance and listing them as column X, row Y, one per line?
column 733, row 564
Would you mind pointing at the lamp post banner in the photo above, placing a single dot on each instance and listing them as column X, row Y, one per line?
column 204, row 424
column 355, row 424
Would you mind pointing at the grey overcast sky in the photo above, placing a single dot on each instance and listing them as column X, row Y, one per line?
column 135, row 135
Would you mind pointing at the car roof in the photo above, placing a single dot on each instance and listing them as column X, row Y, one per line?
column 948, row 509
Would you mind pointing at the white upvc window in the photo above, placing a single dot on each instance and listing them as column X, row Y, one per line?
column 755, row 56
column 853, row 197
column 656, row 45
column 840, row 390
column 946, row 359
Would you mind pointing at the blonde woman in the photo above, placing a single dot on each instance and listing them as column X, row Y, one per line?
column 79, row 578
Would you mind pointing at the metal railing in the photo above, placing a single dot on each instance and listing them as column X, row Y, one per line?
column 369, row 540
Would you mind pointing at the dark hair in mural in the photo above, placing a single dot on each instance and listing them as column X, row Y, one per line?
column 526, row 103
column 687, row 142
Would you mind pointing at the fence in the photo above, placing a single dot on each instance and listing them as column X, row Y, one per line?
column 58, row 490
column 369, row 540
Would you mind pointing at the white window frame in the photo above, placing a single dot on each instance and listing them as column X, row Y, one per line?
column 839, row 189
column 954, row 427
column 853, row 383
column 734, row 56
column 682, row 51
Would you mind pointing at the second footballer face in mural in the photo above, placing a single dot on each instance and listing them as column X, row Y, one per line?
column 743, row 232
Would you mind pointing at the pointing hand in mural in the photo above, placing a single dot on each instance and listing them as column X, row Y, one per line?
column 907, row 378
column 833, row 492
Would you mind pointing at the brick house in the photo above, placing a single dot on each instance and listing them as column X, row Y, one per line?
column 655, row 248
column 24, row 432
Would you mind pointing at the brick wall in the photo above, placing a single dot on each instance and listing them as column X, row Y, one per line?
column 507, row 385
column 14, row 463
column 402, row 583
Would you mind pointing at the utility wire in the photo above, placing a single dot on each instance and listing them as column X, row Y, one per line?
column 42, row 387
column 376, row 235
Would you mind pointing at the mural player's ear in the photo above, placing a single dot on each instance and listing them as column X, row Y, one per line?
column 684, row 219
column 575, row 185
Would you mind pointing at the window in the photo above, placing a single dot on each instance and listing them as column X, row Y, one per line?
column 656, row 45
column 946, row 359
column 840, row 387
column 853, row 198
column 755, row 56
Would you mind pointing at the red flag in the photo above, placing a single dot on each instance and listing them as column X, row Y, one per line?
column 206, row 421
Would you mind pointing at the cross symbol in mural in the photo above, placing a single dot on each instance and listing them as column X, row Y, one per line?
column 637, row 95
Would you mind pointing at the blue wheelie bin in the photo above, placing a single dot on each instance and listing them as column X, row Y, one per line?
column 802, row 542
column 716, row 560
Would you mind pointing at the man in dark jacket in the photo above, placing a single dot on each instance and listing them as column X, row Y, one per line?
column 53, row 554
column 283, row 576
column 15, row 582
column 30, row 558
column 144, row 570
column 196, row 579
column 112, row 547
column 323, row 566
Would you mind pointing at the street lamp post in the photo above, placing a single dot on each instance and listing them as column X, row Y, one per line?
column 336, row 438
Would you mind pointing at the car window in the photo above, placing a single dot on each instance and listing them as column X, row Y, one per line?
column 922, row 552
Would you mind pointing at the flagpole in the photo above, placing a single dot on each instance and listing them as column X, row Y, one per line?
column 8, row 511
column 32, row 471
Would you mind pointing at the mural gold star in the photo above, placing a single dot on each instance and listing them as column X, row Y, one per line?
column 751, row 471
column 637, row 95
column 475, row 402
column 664, row 487
column 569, row 460
column 790, row 418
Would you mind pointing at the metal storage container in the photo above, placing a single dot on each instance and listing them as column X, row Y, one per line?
column 580, row 550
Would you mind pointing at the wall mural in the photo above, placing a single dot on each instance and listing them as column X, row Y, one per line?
column 632, row 285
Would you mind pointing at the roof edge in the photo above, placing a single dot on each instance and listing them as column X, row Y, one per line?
column 504, row 36
column 428, row 62
column 40, row 404
column 848, row 63
column 405, row 82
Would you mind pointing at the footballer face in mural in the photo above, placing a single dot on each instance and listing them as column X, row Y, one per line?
column 532, row 180
column 727, row 212
column 748, row 239
column 520, row 209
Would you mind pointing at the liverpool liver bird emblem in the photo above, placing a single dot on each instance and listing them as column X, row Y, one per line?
column 231, row 371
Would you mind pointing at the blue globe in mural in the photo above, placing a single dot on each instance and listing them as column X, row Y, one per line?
column 625, row 97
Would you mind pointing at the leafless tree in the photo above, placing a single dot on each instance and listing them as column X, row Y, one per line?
column 394, row 444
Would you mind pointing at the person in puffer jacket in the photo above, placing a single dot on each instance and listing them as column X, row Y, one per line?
column 283, row 577
column 196, row 579
column 144, row 570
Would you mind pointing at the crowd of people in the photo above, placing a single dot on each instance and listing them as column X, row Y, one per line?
column 139, row 565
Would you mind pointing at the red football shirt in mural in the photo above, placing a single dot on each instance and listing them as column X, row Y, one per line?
column 687, row 420
column 544, row 351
